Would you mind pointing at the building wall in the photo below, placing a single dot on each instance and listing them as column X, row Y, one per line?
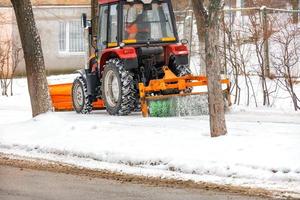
column 48, row 15
column 48, row 19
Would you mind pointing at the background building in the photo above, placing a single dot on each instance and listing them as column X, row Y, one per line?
column 60, row 29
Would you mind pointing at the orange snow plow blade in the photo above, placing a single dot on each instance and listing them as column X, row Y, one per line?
column 61, row 96
column 171, row 81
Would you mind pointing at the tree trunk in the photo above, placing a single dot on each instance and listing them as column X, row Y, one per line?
column 33, row 55
column 295, row 5
column 213, row 64
column 94, row 14
column 200, row 20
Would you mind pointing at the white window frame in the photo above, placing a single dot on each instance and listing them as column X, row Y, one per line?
column 67, row 41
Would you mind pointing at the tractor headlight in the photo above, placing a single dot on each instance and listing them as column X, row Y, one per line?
column 147, row 1
column 122, row 44
column 184, row 41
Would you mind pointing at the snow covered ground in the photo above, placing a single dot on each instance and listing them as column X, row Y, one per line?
column 260, row 150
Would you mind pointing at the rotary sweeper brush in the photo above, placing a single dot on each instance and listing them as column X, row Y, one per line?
column 139, row 64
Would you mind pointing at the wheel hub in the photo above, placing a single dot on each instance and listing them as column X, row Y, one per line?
column 112, row 88
column 79, row 95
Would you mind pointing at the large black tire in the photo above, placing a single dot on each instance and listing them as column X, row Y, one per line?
column 81, row 101
column 182, row 70
column 118, row 90
column 137, row 104
column 179, row 71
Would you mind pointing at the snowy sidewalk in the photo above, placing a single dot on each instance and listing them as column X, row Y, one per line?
column 261, row 149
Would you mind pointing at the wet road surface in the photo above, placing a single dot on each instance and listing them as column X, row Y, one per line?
column 27, row 184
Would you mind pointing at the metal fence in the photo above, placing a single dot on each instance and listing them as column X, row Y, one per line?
column 261, row 44
column 243, row 30
column 262, row 37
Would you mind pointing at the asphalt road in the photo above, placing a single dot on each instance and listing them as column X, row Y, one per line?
column 26, row 184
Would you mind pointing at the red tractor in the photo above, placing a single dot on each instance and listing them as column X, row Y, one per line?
column 138, row 58
column 136, row 39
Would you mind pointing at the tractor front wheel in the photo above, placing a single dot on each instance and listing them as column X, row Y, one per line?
column 118, row 90
column 81, row 101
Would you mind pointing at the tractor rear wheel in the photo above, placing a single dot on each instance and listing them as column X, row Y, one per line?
column 118, row 90
column 183, row 70
column 81, row 101
column 179, row 71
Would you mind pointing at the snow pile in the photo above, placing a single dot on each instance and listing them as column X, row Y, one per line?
column 280, row 99
column 261, row 149
column 16, row 107
column 61, row 79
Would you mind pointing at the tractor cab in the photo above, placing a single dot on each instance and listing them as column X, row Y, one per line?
column 137, row 42
column 133, row 22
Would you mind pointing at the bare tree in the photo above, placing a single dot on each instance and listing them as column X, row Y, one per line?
column 243, row 49
column 9, row 61
column 5, row 69
column 259, row 41
column 211, row 17
column 287, row 59
column 236, row 56
column 15, row 61
column 33, row 55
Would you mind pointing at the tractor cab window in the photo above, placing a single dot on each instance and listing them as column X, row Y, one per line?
column 113, row 26
column 102, row 42
column 144, row 22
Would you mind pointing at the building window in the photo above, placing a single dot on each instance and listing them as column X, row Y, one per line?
column 71, row 39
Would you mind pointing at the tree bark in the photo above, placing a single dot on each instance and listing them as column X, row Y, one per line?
column 213, row 64
column 94, row 14
column 295, row 5
column 33, row 55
